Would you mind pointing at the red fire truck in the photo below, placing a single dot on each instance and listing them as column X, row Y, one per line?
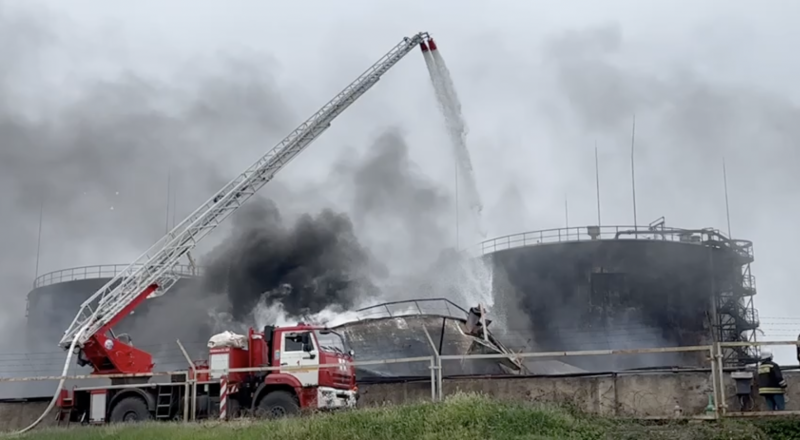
column 300, row 384
column 297, row 351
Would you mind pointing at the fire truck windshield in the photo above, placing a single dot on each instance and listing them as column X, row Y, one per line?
column 330, row 341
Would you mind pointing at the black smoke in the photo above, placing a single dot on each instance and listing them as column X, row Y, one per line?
column 388, row 222
column 305, row 266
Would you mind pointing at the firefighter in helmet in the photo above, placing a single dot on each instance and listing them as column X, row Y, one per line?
column 771, row 384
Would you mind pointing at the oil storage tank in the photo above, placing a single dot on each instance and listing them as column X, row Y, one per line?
column 57, row 296
column 620, row 287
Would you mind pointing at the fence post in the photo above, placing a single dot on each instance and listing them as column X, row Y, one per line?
column 433, row 378
column 439, row 378
column 720, row 371
column 186, row 393
column 187, row 388
column 223, row 397
column 193, row 401
column 714, row 380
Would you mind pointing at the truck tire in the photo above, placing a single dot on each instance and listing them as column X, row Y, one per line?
column 277, row 404
column 131, row 409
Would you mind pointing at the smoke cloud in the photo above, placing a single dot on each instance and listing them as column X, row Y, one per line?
column 95, row 162
column 388, row 225
column 401, row 213
column 687, row 121
column 305, row 267
column 96, row 165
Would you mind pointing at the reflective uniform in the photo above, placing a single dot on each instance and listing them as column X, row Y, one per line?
column 771, row 385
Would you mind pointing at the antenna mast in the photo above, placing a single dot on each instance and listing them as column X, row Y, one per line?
column 727, row 205
column 633, row 172
column 597, row 181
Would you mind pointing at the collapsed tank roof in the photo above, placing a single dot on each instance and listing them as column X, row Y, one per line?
column 424, row 327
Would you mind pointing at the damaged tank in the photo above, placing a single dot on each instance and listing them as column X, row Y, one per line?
column 425, row 327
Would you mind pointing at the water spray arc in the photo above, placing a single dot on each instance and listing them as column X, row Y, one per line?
column 450, row 107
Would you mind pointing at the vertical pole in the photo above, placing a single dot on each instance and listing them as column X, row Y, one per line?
column 223, row 397
column 433, row 378
column 169, row 184
column 727, row 205
column 433, row 362
column 714, row 379
column 483, row 321
column 722, row 404
column 439, row 370
column 633, row 172
column 39, row 240
column 187, row 391
column 174, row 204
column 597, row 181
column 193, row 413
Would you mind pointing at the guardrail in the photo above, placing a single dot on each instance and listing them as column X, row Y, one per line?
column 100, row 271
column 718, row 377
column 413, row 307
column 705, row 237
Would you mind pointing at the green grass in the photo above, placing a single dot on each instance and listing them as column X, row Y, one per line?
column 462, row 417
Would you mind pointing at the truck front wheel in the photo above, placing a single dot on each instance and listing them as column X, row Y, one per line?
column 278, row 404
column 129, row 410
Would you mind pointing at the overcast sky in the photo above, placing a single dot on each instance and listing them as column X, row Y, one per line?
column 539, row 85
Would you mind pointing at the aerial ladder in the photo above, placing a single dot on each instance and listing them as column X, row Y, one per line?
column 90, row 335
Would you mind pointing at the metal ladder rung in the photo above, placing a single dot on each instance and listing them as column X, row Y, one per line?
column 163, row 403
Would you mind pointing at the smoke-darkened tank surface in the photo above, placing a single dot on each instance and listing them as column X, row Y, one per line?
column 57, row 297
column 420, row 328
column 593, row 288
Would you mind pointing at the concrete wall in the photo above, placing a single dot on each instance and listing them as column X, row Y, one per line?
column 18, row 415
column 630, row 395
column 634, row 395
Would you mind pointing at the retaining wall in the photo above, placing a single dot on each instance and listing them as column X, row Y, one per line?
column 632, row 395
column 628, row 395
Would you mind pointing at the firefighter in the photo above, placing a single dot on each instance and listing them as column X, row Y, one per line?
column 771, row 383
column 798, row 348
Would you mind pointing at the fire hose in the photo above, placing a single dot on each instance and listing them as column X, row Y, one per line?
column 60, row 382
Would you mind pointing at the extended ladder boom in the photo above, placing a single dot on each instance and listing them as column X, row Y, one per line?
column 156, row 266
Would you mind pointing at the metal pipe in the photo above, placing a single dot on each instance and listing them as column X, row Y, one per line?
column 434, row 373
column 186, row 397
column 757, row 343
column 483, row 321
column 129, row 385
column 193, row 401
column 723, row 402
column 433, row 379
column 412, row 359
column 439, row 379
column 230, row 370
column 692, row 348
column 186, row 389
column 714, row 377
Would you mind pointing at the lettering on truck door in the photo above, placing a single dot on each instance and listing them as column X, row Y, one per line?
column 295, row 354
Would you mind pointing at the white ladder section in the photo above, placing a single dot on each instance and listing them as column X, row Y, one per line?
column 156, row 265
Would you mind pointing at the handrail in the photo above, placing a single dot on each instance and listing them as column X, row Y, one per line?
column 412, row 307
column 703, row 237
column 100, row 271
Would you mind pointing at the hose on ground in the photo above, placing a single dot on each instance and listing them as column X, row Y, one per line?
column 60, row 382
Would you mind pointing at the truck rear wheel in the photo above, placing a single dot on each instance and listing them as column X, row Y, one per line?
column 277, row 404
column 130, row 410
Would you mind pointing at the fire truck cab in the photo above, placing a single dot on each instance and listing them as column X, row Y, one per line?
column 298, row 384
